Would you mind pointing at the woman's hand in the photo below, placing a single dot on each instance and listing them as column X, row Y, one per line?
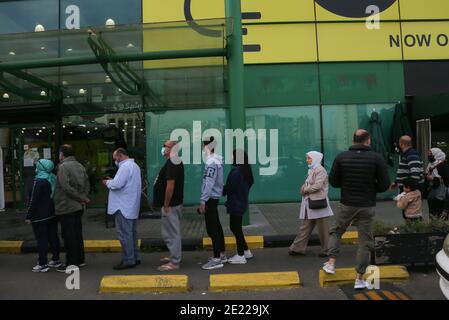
column 27, row 221
column 302, row 190
column 429, row 177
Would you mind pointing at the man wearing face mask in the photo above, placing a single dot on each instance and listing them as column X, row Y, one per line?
column 168, row 194
column 124, row 203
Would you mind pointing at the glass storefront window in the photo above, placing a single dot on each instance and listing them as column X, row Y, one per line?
column 95, row 137
column 299, row 132
column 25, row 15
column 339, row 124
column 160, row 126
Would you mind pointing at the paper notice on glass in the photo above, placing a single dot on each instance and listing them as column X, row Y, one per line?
column 47, row 153
column 28, row 162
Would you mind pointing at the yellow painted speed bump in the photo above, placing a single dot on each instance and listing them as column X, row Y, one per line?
column 144, row 284
column 103, row 245
column 11, row 246
column 254, row 242
column 350, row 237
column 347, row 275
column 254, row 281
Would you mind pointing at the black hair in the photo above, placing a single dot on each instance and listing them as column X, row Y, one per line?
column 67, row 150
column 410, row 183
column 208, row 141
column 245, row 166
column 361, row 137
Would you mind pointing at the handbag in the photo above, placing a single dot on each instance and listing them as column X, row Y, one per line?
column 438, row 193
column 317, row 204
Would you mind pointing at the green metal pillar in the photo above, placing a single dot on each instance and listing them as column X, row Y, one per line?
column 235, row 71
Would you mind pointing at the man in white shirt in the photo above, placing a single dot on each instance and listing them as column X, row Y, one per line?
column 124, row 202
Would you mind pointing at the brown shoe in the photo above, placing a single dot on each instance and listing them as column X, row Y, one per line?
column 168, row 267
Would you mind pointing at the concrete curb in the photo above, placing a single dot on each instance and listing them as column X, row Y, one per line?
column 254, row 281
column 189, row 244
column 144, row 284
column 347, row 275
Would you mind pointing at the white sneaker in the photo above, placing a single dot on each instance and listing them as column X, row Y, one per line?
column 360, row 284
column 54, row 264
column 237, row 259
column 248, row 254
column 39, row 268
column 214, row 263
column 329, row 268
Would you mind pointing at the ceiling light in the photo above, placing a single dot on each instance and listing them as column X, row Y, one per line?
column 39, row 28
column 82, row 91
column 110, row 22
column 12, row 53
column 43, row 93
column 5, row 96
column 107, row 79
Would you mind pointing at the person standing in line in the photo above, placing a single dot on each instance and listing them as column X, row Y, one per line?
column 437, row 178
column 315, row 207
column 211, row 191
column 41, row 215
column 124, row 203
column 71, row 198
column 168, row 194
column 237, row 187
column 361, row 173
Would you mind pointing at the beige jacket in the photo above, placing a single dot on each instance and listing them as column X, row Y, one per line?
column 316, row 185
column 411, row 203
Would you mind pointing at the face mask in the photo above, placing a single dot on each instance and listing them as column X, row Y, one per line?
column 116, row 163
column 163, row 151
column 431, row 158
column 310, row 166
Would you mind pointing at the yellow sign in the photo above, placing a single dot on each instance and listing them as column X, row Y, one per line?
column 285, row 31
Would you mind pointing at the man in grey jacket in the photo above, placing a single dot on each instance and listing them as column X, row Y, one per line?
column 211, row 191
column 71, row 197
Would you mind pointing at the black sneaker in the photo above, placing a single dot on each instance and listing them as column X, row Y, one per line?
column 61, row 268
column 123, row 266
column 294, row 253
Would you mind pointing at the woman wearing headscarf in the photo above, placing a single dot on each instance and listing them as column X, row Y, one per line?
column 437, row 176
column 41, row 215
column 315, row 208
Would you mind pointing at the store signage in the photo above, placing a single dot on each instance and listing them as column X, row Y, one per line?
column 289, row 31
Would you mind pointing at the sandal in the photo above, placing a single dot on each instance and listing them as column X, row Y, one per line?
column 168, row 267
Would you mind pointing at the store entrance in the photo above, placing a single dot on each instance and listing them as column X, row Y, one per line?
column 22, row 146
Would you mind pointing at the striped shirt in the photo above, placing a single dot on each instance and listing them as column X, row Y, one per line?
column 410, row 166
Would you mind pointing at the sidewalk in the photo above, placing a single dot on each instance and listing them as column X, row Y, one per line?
column 273, row 220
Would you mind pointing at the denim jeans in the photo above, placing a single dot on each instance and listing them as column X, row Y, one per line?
column 127, row 234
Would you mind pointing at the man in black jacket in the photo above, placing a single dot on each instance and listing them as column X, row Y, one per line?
column 360, row 173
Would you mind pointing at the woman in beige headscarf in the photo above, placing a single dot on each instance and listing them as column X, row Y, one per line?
column 315, row 208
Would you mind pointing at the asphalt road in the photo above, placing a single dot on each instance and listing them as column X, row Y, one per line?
column 18, row 282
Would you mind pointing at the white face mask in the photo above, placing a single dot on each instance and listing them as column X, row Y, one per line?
column 163, row 151
column 116, row 163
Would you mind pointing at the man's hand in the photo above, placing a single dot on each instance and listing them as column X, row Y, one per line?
column 28, row 221
column 166, row 209
column 393, row 186
column 429, row 177
column 202, row 208
column 85, row 202
column 106, row 180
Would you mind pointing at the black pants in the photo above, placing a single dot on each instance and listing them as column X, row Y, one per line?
column 235, row 223
column 72, row 234
column 46, row 234
column 213, row 227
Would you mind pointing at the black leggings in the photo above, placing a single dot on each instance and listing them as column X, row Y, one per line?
column 213, row 227
column 46, row 233
column 235, row 223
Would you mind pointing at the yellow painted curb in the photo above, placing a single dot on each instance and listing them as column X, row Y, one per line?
column 254, row 242
column 254, row 281
column 144, row 284
column 350, row 237
column 103, row 245
column 347, row 275
column 11, row 246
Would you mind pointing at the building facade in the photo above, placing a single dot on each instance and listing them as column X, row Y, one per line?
column 315, row 70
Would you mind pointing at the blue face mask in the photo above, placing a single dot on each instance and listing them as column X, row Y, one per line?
column 117, row 163
column 310, row 166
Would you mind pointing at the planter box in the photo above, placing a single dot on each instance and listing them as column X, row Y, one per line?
column 407, row 249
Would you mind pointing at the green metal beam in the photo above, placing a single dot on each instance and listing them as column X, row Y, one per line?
column 235, row 71
column 118, row 57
